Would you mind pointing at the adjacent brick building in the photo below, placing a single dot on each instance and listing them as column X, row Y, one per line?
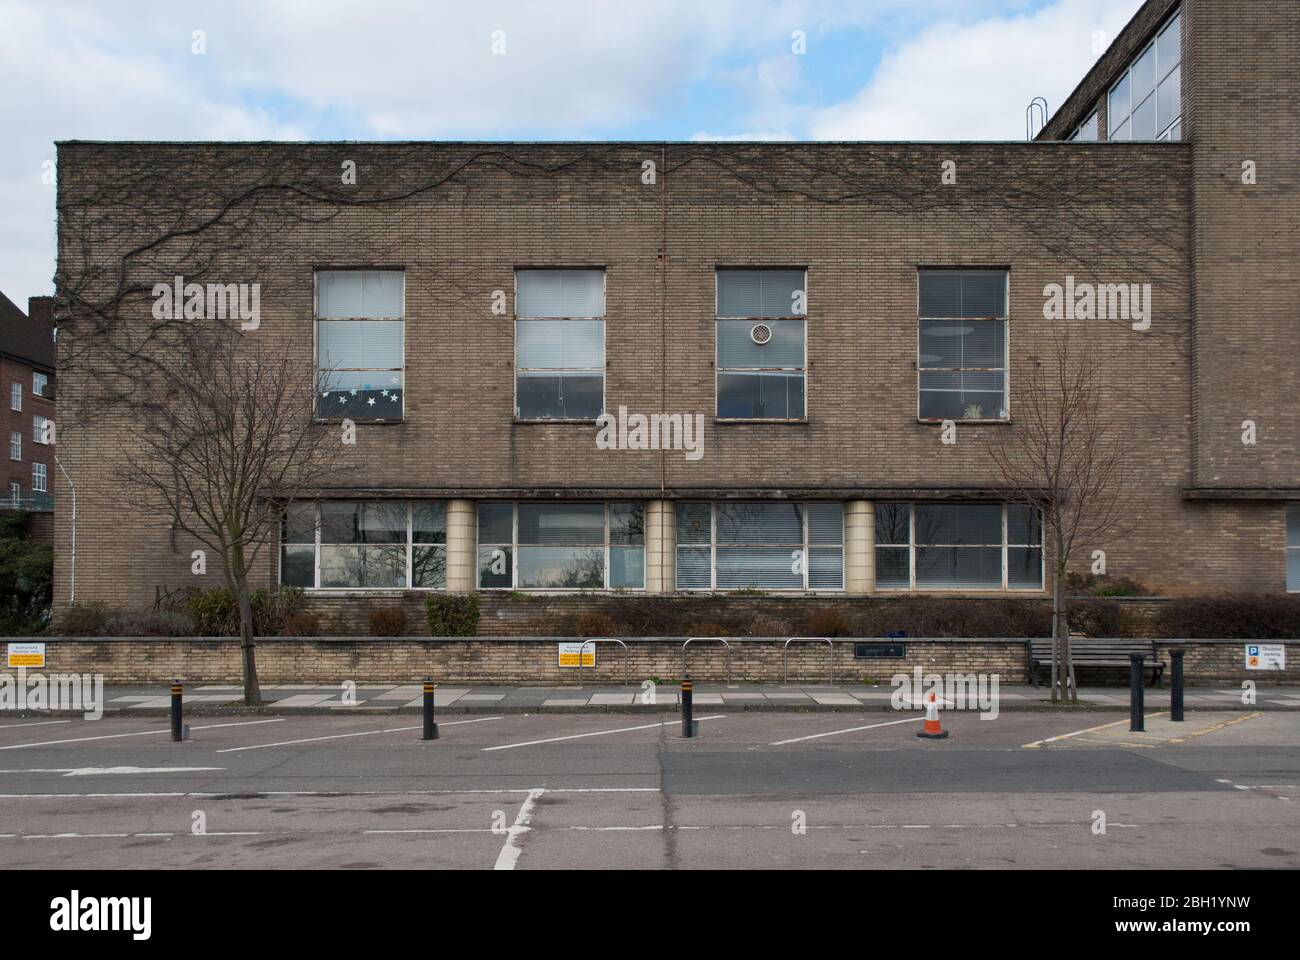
column 828, row 313
column 27, row 410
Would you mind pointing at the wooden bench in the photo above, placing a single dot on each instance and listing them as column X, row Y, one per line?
column 1088, row 652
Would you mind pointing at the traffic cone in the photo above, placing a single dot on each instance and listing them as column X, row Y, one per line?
column 931, row 730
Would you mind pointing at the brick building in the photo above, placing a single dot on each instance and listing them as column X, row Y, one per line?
column 27, row 381
column 808, row 322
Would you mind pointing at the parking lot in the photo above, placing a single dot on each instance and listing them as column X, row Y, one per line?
column 527, row 791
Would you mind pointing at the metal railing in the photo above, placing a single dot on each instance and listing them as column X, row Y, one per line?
column 709, row 640
column 627, row 657
column 785, row 655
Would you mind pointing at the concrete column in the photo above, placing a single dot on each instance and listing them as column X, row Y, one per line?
column 859, row 547
column 660, row 547
column 462, row 550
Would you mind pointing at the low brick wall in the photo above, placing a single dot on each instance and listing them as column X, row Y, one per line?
column 512, row 660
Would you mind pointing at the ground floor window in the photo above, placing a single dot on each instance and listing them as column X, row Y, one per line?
column 1293, row 547
column 958, row 546
column 763, row 545
column 365, row 545
column 559, row 546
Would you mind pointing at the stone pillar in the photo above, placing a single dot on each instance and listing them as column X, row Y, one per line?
column 462, row 560
column 859, row 547
column 660, row 547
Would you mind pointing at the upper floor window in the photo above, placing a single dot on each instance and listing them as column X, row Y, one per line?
column 769, row 545
column 365, row 544
column 761, row 344
column 15, row 445
column 558, row 546
column 39, row 478
column 1146, row 102
column 958, row 546
column 15, row 494
column 40, row 429
column 1086, row 131
column 962, row 345
column 15, row 396
column 1293, row 547
column 40, row 385
column 360, row 344
column 559, row 344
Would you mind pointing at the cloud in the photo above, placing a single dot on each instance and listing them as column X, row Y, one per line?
column 972, row 81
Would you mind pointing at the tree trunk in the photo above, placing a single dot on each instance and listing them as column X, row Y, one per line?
column 1056, row 636
column 247, row 646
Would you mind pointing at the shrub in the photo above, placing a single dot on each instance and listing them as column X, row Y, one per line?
column 387, row 622
column 150, row 623
column 1105, row 586
column 216, row 611
column 1097, row 618
column 452, row 614
column 826, row 622
column 707, row 628
column 595, row 624
column 1241, row 616
column 85, row 619
column 301, row 625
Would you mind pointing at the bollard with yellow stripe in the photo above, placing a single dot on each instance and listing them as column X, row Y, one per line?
column 688, row 693
column 178, row 730
column 430, row 727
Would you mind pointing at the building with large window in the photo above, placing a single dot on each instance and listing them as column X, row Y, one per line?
column 799, row 355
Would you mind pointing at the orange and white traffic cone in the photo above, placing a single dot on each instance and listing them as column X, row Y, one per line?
column 931, row 730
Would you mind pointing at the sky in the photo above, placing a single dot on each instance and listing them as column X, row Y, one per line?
column 514, row 70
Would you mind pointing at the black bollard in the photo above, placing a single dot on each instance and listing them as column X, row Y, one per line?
column 430, row 727
column 177, row 731
column 1136, row 694
column 688, row 724
column 1176, row 685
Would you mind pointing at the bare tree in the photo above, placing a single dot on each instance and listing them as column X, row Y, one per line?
column 221, row 439
column 1063, row 455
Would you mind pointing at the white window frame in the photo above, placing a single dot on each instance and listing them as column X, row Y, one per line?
column 1162, row 74
column 807, row 549
column 1291, row 548
column 39, row 382
column 38, row 428
column 912, row 546
column 718, row 369
column 1095, row 119
column 604, row 351
column 514, row 546
column 16, row 445
column 40, row 478
column 410, row 554
column 315, row 345
column 1006, row 344
column 16, row 396
column 15, row 494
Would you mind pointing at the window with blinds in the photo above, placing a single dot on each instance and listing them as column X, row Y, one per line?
column 360, row 344
column 962, row 345
column 958, row 546
column 760, row 545
column 761, row 344
column 365, row 545
column 559, row 344
column 1293, row 547
column 561, row 546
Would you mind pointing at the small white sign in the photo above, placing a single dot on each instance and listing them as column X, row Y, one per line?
column 26, row 655
column 569, row 653
column 1265, row 656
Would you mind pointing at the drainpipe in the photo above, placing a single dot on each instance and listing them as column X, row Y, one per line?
column 72, row 579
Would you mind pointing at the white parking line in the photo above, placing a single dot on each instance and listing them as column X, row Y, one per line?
column 598, row 733
column 342, row 736
column 511, row 849
column 38, row 723
column 109, row 771
column 835, row 733
column 332, row 794
column 141, row 733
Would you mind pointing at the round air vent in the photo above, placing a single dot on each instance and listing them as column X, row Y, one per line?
column 760, row 333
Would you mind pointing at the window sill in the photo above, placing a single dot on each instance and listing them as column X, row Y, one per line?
column 367, row 421
column 1005, row 422
column 741, row 421
column 569, row 420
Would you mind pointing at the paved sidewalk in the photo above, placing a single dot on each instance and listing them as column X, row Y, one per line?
column 453, row 698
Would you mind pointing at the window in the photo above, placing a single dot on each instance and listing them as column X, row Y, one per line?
column 958, row 546
column 40, row 385
column 1086, row 131
column 760, row 545
column 559, row 344
column 561, row 546
column 38, row 429
column 1293, row 547
column 16, row 494
column 761, row 344
column 962, row 345
column 15, row 396
column 360, row 344
column 365, row 545
column 15, row 445
column 1146, row 102
column 39, row 478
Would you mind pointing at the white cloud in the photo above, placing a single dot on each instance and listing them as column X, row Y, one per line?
column 972, row 82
